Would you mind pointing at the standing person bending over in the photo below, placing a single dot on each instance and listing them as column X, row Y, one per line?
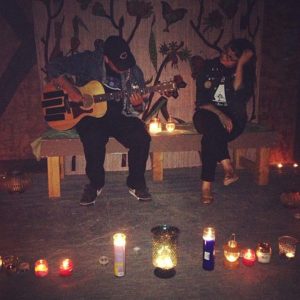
column 115, row 67
column 223, row 87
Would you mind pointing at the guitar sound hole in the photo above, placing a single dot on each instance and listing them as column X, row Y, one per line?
column 88, row 101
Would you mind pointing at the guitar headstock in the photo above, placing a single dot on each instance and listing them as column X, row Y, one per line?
column 169, row 87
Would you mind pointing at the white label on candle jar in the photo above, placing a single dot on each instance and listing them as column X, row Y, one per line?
column 263, row 257
column 206, row 255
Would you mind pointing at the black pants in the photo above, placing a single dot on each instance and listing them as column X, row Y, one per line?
column 131, row 132
column 214, row 143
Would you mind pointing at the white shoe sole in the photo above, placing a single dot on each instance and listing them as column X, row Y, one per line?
column 132, row 192
column 98, row 193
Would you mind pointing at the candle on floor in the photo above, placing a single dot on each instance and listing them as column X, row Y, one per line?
column 248, row 257
column 66, row 267
column 164, row 250
column 263, row 253
column 41, row 268
column 119, row 253
column 287, row 246
column 208, row 248
column 231, row 254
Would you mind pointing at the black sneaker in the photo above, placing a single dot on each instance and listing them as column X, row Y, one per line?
column 141, row 194
column 89, row 195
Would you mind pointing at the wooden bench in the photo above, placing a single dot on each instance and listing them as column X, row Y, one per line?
column 183, row 139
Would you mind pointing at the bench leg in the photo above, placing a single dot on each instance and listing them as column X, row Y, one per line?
column 157, row 166
column 53, row 167
column 62, row 167
column 262, row 165
column 237, row 154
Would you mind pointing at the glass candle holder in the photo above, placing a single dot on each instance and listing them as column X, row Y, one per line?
column 231, row 254
column 170, row 125
column 248, row 257
column 155, row 125
column 119, row 254
column 208, row 248
column 66, row 267
column 10, row 264
column 263, row 253
column 287, row 246
column 164, row 250
column 41, row 268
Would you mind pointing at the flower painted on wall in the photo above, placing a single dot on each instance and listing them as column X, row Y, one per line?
column 214, row 20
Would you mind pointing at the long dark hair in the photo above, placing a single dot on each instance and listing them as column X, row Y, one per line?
column 238, row 46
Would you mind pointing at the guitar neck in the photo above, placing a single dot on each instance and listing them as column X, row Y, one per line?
column 117, row 95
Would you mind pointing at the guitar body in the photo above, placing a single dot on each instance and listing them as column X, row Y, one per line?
column 62, row 114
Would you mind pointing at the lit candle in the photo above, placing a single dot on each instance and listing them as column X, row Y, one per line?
column 295, row 165
column 231, row 253
column 155, row 125
column 208, row 248
column 66, row 267
column 164, row 250
column 170, row 126
column 41, row 268
column 263, row 253
column 279, row 168
column 248, row 257
column 287, row 246
column 119, row 252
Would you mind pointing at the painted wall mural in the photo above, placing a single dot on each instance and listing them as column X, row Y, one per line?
column 211, row 24
column 168, row 38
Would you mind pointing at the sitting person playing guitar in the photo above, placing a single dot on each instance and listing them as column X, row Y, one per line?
column 114, row 66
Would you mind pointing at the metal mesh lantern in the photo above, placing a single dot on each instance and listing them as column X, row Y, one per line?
column 164, row 250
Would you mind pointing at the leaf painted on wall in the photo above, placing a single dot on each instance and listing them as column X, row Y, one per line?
column 152, row 47
column 171, row 15
column 98, row 10
column 215, row 20
column 155, row 108
column 229, row 7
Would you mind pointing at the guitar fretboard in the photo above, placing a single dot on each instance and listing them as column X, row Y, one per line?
column 116, row 95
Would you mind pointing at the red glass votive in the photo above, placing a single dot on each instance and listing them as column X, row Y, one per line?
column 41, row 268
column 248, row 257
column 66, row 267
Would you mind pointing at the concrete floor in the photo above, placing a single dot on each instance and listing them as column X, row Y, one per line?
column 33, row 227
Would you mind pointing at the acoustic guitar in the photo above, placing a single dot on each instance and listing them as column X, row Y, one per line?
column 61, row 113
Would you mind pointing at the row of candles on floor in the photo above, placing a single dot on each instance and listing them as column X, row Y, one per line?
column 164, row 253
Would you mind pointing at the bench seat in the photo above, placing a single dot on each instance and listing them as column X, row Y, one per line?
column 56, row 145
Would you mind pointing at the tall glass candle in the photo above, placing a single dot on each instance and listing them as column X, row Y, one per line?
column 119, row 253
column 208, row 248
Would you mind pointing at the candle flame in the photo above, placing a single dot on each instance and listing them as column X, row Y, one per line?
column 290, row 254
column 164, row 258
column 119, row 239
